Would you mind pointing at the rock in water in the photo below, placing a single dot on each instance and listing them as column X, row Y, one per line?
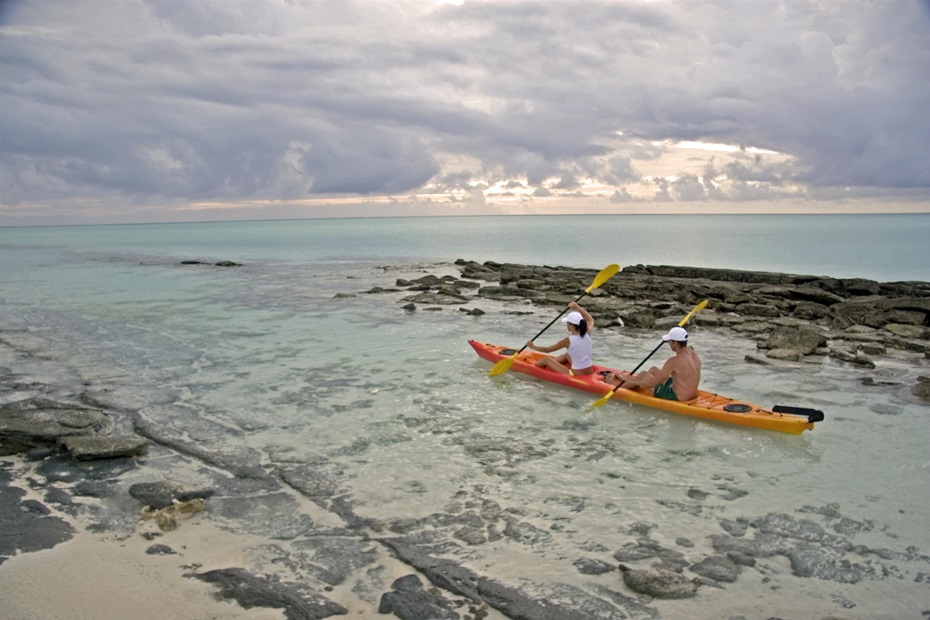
column 659, row 582
column 922, row 388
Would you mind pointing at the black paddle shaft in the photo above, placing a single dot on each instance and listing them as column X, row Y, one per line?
column 619, row 385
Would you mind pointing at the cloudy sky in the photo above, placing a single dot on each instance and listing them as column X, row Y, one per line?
column 176, row 110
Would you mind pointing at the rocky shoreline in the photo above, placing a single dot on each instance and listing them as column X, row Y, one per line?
column 90, row 457
column 793, row 318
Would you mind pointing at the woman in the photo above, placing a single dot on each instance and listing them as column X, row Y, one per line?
column 578, row 359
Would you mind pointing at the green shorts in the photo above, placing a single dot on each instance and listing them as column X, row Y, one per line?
column 665, row 391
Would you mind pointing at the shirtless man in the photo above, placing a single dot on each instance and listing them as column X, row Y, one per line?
column 678, row 379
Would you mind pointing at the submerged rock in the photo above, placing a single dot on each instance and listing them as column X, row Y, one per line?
column 922, row 388
column 255, row 591
column 162, row 494
column 409, row 601
column 659, row 582
column 86, row 448
column 718, row 568
column 41, row 423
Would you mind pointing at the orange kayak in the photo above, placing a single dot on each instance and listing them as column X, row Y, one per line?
column 791, row 420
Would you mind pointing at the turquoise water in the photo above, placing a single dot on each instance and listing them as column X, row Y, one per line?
column 287, row 360
column 878, row 247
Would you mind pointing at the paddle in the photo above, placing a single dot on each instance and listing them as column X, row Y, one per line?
column 606, row 274
column 603, row 399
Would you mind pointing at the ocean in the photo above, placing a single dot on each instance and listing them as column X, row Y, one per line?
column 289, row 360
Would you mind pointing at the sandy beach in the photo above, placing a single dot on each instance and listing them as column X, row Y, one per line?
column 96, row 576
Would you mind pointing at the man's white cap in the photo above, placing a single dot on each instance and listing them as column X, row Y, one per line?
column 678, row 334
column 574, row 318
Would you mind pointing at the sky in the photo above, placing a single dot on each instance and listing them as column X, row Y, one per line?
column 118, row 111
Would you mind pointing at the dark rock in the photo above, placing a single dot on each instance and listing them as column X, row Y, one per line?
column 640, row 550
column 314, row 480
column 816, row 295
column 427, row 298
column 809, row 311
column 922, row 388
column 333, row 559
column 697, row 494
column 160, row 550
column 38, row 454
column 525, row 533
column 96, row 488
column 787, row 526
column 741, row 558
column 275, row 515
column 506, row 292
column 159, row 495
column 645, row 548
column 916, row 332
column 27, row 524
column 471, row 535
column 256, row 591
column 764, row 310
column 907, row 317
column 67, row 470
column 227, row 263
column 860, row 286
column 718, row 568
column 786, row 355
column 587, row 566
column 457, row 579
column 409, row 601
column 659, row 583
column 811, row 550
column 59, row 497
column 86, row 448
column 802, row 338
column 41, row 422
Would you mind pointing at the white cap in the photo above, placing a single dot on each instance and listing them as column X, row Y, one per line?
column 574, row 318
column 678, row 334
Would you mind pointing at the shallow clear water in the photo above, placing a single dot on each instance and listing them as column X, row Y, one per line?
column 300, row 365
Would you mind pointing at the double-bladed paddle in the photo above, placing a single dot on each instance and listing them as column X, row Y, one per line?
column 605, row 274
column 603, row 399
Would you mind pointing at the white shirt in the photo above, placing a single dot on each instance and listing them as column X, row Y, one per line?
column 581, row 351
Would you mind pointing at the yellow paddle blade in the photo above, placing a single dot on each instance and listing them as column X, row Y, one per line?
column 605, row 274
column 697, row 309
column 603, row 399
column 502, row 366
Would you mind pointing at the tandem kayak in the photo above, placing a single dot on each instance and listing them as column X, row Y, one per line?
column 791, row 420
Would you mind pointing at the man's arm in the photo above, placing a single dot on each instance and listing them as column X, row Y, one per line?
column 649, row 379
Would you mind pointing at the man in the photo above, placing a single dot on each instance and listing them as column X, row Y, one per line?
column 678, row 379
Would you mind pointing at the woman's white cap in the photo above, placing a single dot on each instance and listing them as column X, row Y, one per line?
column 678, row 334
column 574, row 318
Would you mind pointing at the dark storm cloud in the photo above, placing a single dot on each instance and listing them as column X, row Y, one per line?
column 255, row 100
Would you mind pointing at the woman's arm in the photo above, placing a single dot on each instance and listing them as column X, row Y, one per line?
column 584, row 313
column 561, row 344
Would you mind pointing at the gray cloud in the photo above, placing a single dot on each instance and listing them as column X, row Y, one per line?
column 270, row 100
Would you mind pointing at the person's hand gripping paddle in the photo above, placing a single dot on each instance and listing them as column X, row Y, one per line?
column 605, row 274
column 603, row 399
